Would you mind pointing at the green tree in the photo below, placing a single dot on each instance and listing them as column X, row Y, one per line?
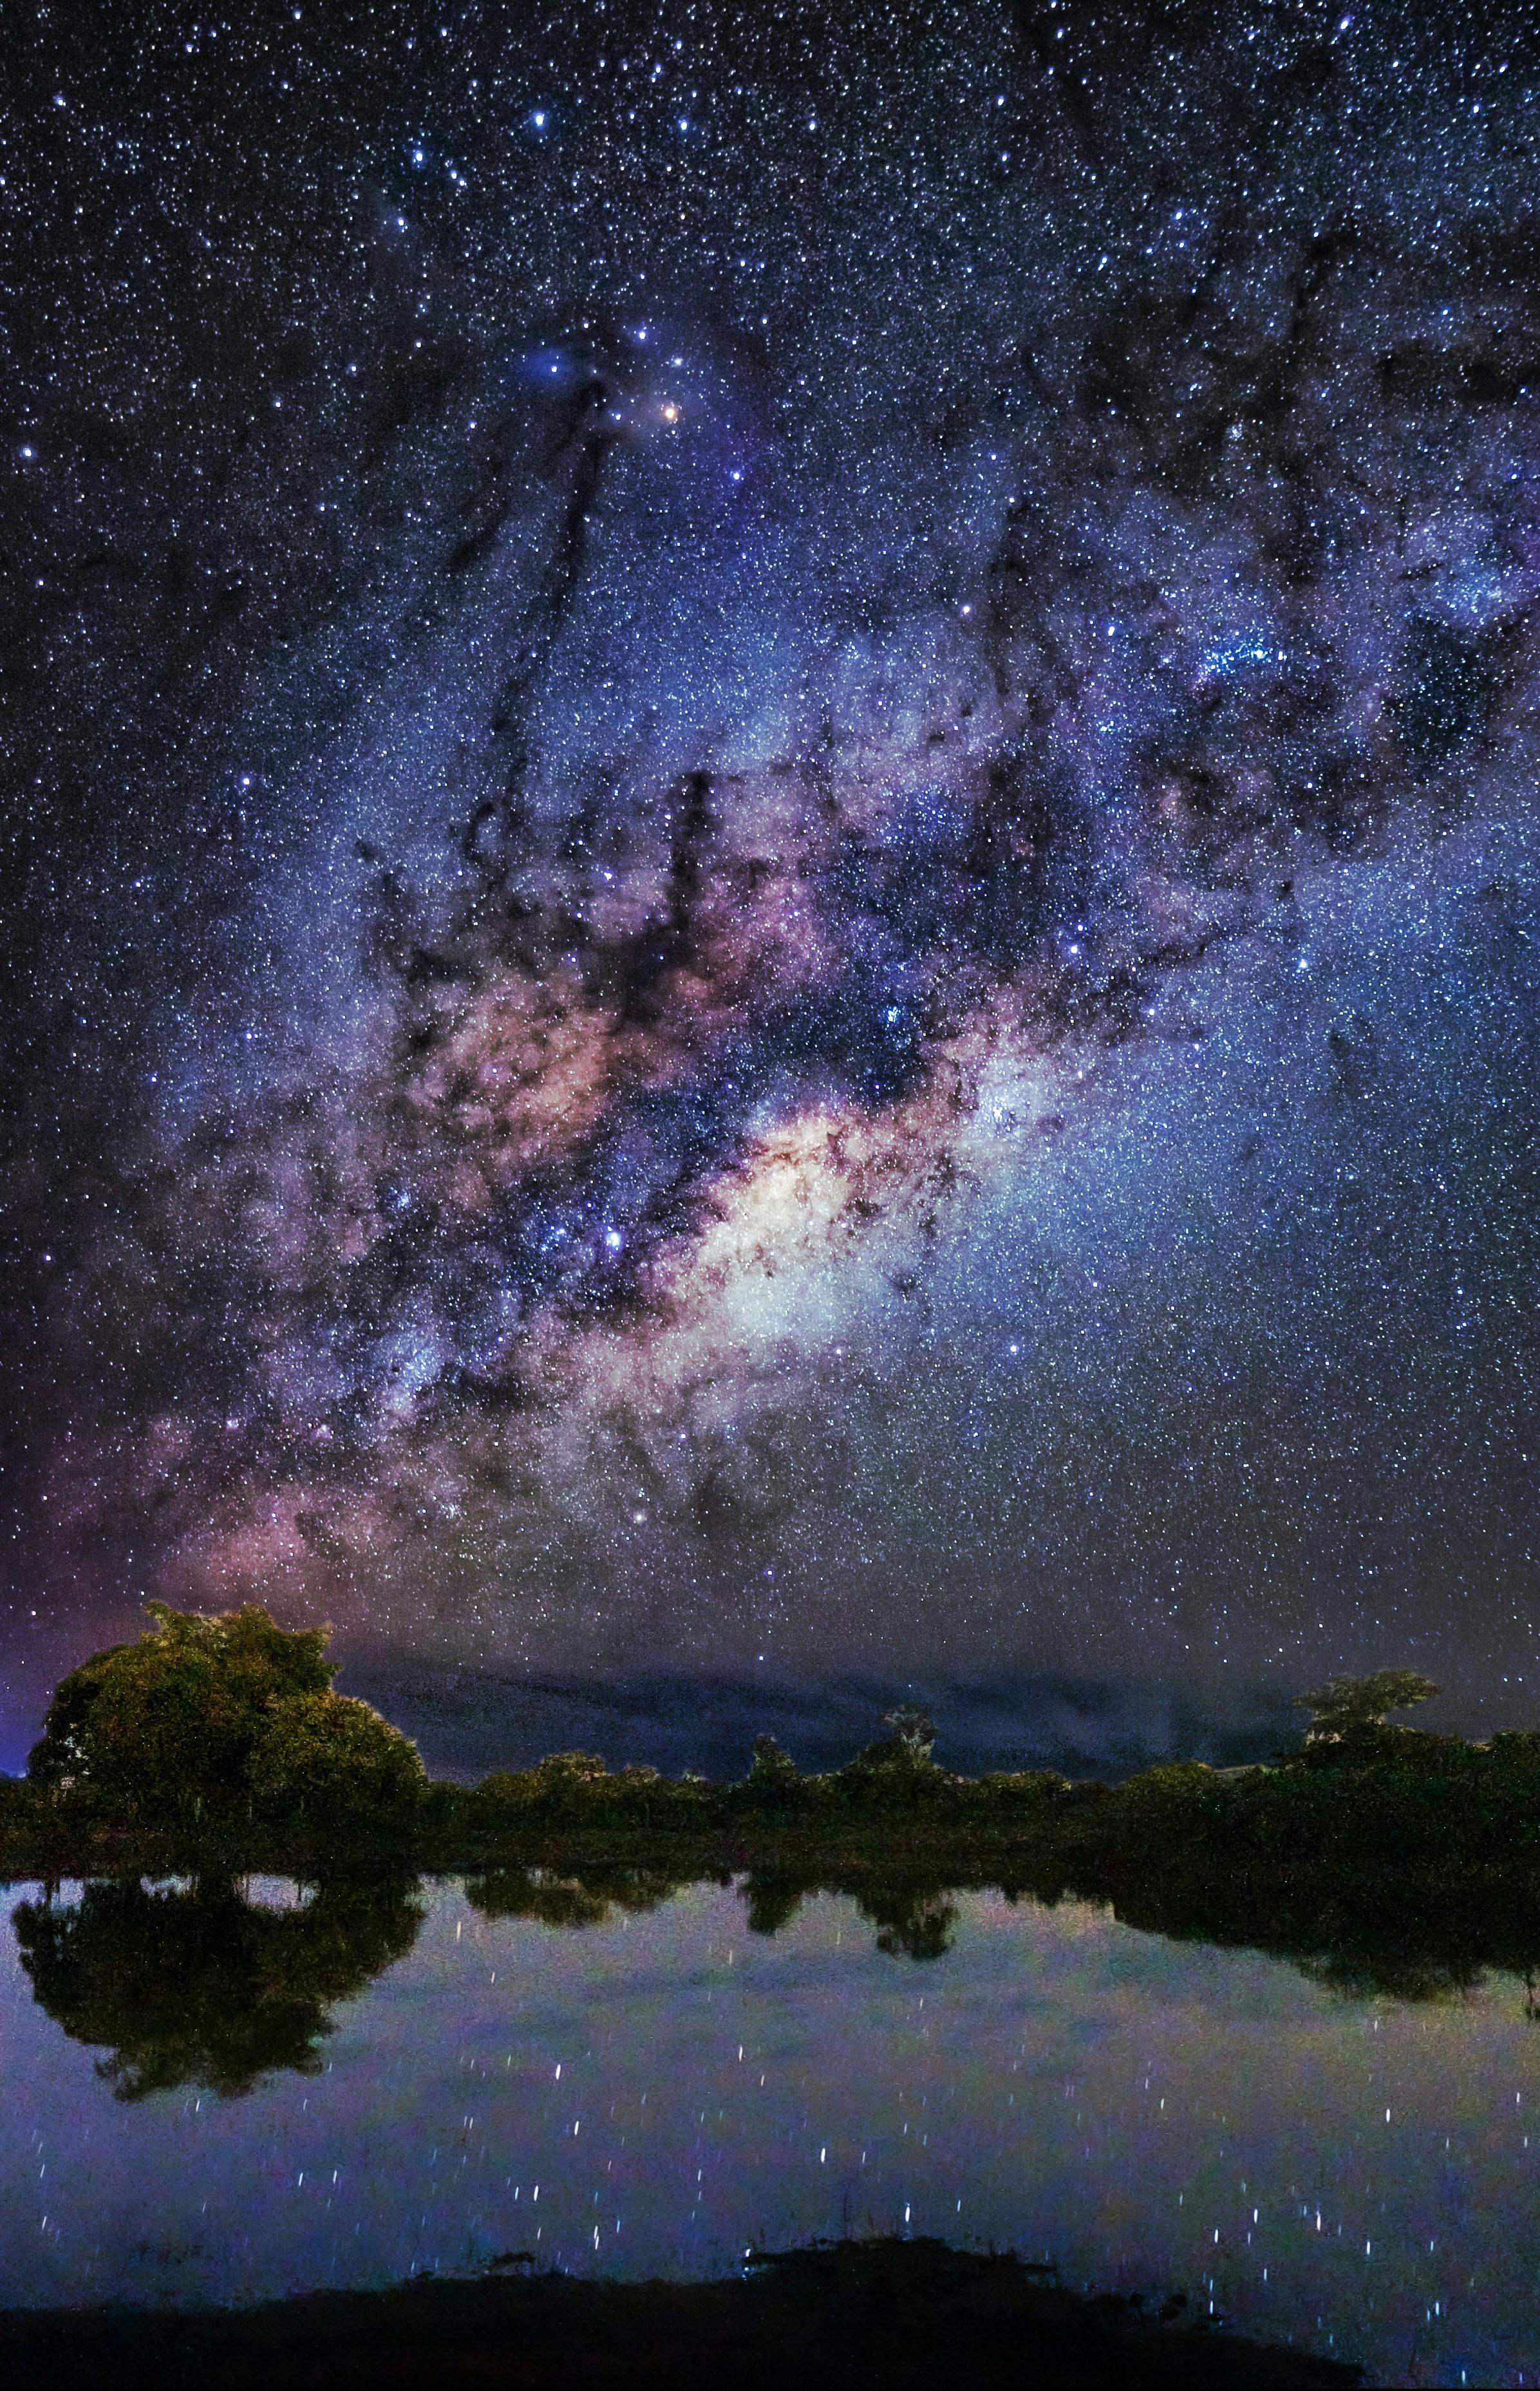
column 897, row 1765
column 773, row 1775
column 331, row 1758
column 218, row 1723
column 913, row 1731
column 1348, row 1709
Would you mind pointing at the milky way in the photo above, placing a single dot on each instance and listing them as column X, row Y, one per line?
column 774, row 795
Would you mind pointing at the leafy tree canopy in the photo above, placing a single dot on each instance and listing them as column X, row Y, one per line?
column 913, row 1730
column 222, row 1721
column 901, row 1758
column 1345, row 1706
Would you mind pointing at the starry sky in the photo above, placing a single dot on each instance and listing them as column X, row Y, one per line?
column 772, row 850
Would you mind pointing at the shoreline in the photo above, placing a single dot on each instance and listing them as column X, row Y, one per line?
column 1421, row 1931
column 899, row 2312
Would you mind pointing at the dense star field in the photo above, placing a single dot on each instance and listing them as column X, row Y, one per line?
column 773, row 885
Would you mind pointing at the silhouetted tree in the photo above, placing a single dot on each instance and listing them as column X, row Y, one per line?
column 1346, row 1708
column 913, row 1730
column 896, row 1765
column 773, row 1778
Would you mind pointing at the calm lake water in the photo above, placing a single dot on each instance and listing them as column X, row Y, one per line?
column 656, row 2089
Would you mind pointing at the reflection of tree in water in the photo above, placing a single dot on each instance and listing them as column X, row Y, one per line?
column 773, row 1899
column 914, row 1919
column 200, row 1986
column 590, row 1899
column 1399, row 1939
column 1397, row 1976
column 1391, row 1935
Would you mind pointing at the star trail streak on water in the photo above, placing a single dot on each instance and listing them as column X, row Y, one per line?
column 773, row 801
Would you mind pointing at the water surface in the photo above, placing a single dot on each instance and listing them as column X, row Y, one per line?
column 634, row 2089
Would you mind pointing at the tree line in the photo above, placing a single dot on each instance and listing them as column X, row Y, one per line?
column 228, row 1728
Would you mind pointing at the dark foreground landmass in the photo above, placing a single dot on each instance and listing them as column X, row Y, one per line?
column 872, row 2312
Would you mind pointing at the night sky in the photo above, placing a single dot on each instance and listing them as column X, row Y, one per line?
column 773, row 857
